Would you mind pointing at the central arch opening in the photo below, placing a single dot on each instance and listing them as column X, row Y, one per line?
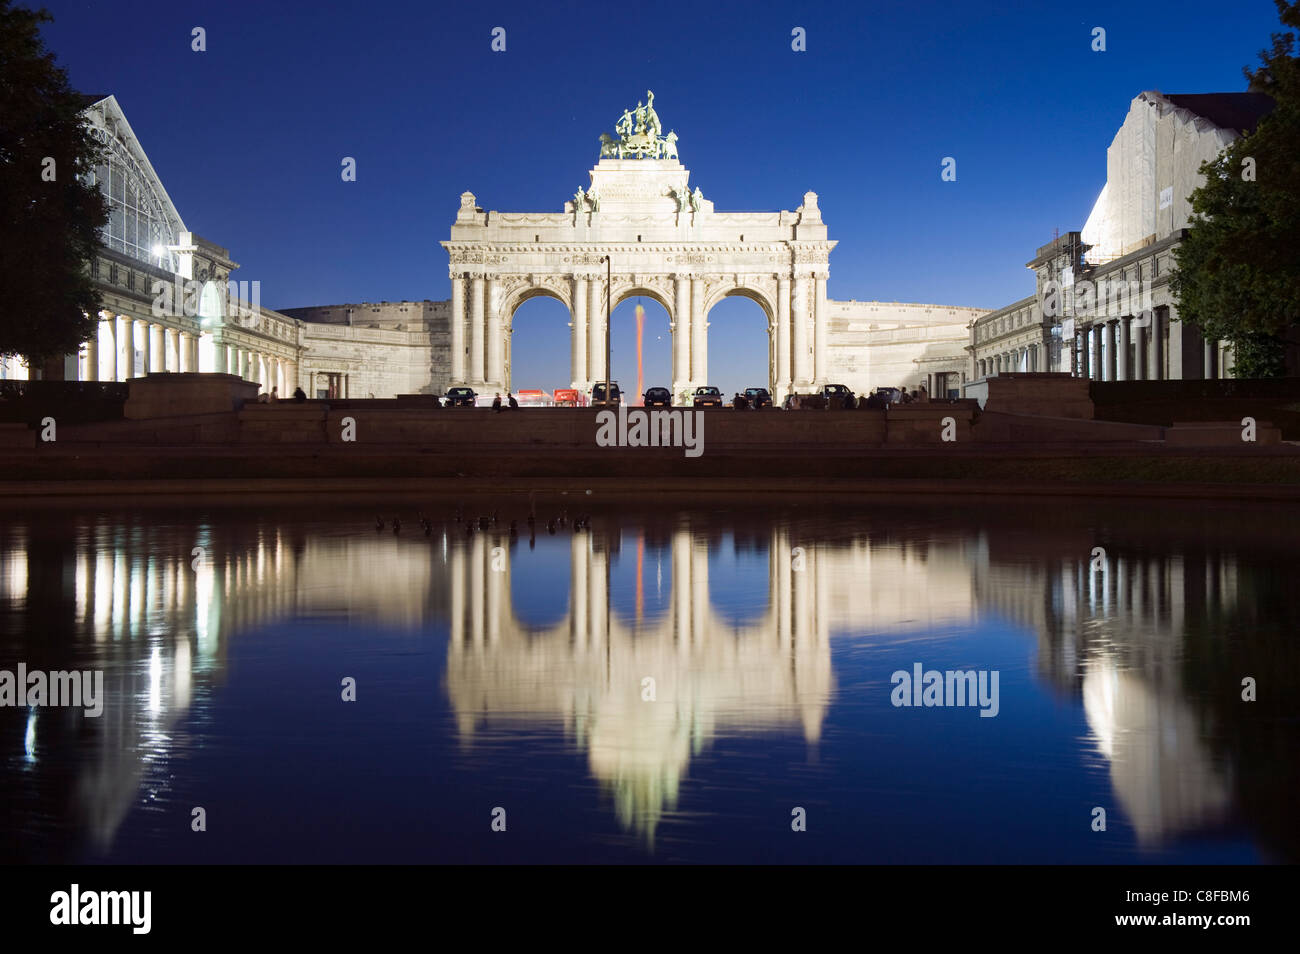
column 656, row 348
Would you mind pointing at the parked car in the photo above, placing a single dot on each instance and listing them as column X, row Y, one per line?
column 569, row 397
column 658, row 397
column 758, row 398
column 598, row 394
column 707, row 396
column 839, row 397
column 460, row 397
column 890, row 395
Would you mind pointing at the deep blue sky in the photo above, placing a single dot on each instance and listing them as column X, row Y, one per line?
column 248, row 136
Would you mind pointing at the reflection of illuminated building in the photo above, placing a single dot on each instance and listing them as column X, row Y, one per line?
column 586, row 671
column 138, row 603
column 1112, row 627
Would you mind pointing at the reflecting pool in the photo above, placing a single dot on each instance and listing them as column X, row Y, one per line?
column 623, row 682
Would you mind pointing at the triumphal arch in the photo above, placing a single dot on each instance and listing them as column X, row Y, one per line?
column 665, row 241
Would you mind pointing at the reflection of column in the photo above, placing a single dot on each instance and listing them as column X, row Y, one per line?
column 476, row 329
column 699, row 336
column 598, row 614
column 595, row 331
column 578, row 334
column 579, row 571
column 821, row 331
column 457, row 329
column 699, row 590
column 799, row 320
column 681, row 583
column 782, row 339
column 681, row 335
column 783, row 555
column 799, row 602
column 498, row 568
column 477, row 563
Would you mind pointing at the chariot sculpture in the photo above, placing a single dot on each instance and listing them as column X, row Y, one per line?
column 638, row 135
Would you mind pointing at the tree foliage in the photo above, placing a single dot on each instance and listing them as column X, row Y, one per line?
column 1238, row 276
column 49, row 230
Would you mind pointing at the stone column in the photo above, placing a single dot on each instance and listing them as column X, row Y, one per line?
column 171, row 355
column 799, row 318
column 699, row 334
column 1112, row 363
column 219, row 357
column 108, row 344
column 1156, row 330
column 1098, row 354
column 125, row 349
column 595, row 330
column 681, row 335
column 91, row 372
column 157, row 349
column 821, row 331
column 1211, row 359
column 496, row 344
column 183, row 351
column 140, row 335
column 476, row 329
column 578, row 333
column 1125, row 342
column 194, row 352
column 457, row 328
column 782, row 339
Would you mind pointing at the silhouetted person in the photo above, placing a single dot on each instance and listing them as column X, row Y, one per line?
column 299, row 395
column 511, row 398
column 496, row 404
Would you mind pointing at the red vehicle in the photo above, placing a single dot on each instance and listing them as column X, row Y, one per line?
column 569, row 397
column 533, row 399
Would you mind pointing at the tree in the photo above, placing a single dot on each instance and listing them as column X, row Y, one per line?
column 50, row 216
column 1238, row 276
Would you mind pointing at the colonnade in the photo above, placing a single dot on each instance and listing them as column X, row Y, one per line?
column 482, row 310
column 126, row 347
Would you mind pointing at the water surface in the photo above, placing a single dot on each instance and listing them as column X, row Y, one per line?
column 500, row 670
